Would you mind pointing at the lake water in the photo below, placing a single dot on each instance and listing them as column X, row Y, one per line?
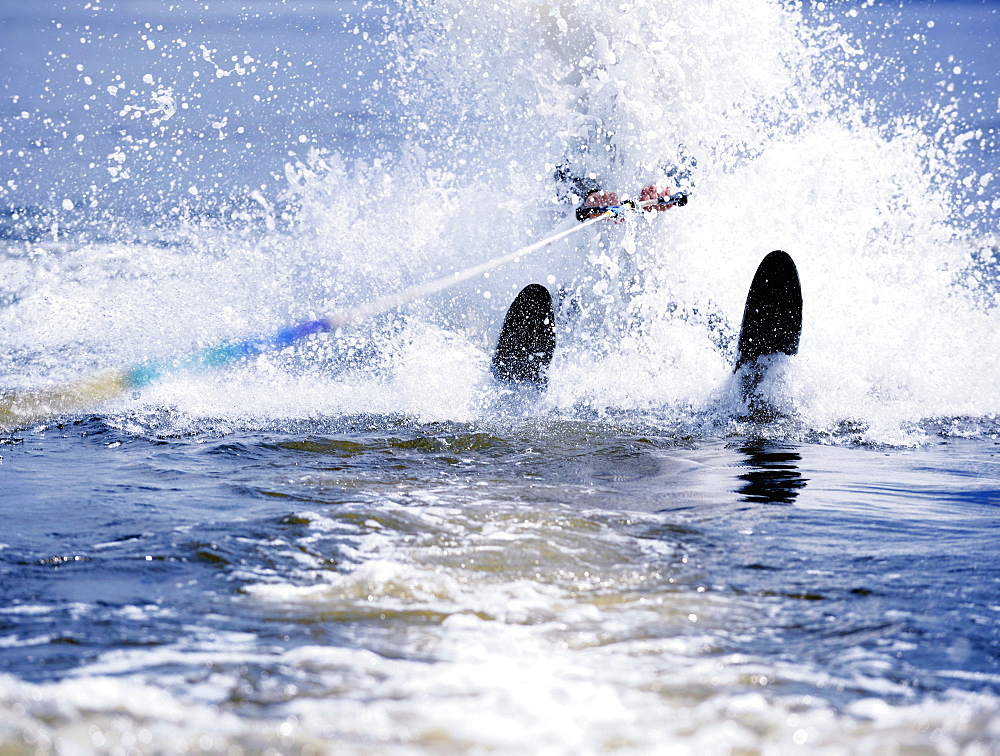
column 362, row 544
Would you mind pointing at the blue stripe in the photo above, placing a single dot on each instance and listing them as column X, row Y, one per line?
column 224, row 354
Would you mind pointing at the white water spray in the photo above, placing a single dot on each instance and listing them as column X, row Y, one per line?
column 747, row 106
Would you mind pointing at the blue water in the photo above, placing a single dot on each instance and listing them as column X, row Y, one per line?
column 362, row 544
column 665, row 575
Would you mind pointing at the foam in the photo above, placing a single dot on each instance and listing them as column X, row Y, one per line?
column 588, row 638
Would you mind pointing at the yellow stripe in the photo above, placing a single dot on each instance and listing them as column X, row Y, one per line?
column 25, row 407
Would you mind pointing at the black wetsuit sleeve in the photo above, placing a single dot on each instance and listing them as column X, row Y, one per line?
column 569, row 183
column 572, row 188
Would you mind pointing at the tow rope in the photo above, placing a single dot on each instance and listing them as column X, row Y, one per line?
column 28, row 406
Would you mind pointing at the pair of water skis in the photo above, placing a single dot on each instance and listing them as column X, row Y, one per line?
column 772, row 323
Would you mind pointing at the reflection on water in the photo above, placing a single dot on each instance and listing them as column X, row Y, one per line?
column 773, row 476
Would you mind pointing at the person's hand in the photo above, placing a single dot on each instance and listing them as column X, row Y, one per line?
column 601, row 199
column 652, row 192
column 597, row 199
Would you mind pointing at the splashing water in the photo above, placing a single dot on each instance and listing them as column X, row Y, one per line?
column 748, row 107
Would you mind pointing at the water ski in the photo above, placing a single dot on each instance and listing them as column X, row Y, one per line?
column 527, row 339
column 772, row 318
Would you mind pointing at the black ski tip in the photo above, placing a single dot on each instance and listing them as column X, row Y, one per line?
column 772, row 318
column 527, row 339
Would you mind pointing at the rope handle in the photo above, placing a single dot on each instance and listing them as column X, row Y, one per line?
column 679, row 199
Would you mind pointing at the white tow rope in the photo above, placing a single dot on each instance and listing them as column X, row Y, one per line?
column 419, row 291
column 20, row 407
